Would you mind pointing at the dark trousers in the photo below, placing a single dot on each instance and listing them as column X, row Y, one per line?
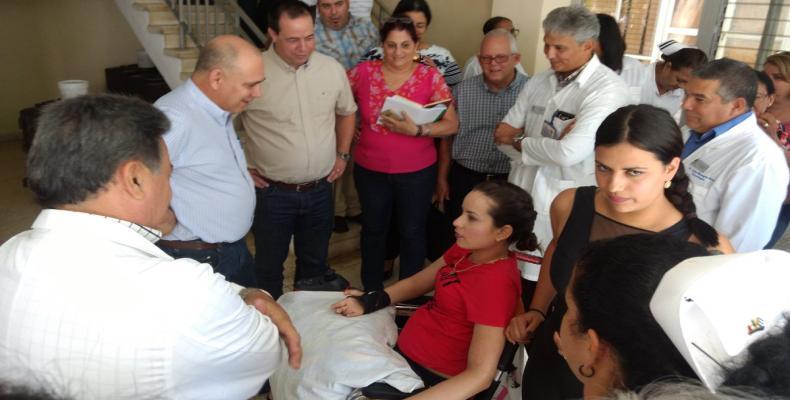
column 281, row 214
column 409, row 194
column 781, row 226
column 462, row 180
column 233, row 260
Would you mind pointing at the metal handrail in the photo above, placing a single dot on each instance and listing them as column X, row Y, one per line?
column 195, row 22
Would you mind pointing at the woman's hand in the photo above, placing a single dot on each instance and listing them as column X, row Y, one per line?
column 406, row 126
column 349, row 307
column 523, row 326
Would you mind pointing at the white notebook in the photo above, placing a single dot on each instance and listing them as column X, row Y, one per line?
column 420, row 114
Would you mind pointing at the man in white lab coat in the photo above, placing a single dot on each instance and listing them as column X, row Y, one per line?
column 559, row 111
column 738, row 175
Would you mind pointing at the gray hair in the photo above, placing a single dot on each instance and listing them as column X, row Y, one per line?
column 503, row 33
column 216, row 54
column 687, row 390
column 80, row 143
column 736, row 79
column 575, row 21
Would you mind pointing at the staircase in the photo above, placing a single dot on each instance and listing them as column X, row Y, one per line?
column 171, row 31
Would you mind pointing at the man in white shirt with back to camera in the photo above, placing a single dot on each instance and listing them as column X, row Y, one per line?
column 90, row 308
column 558, row 112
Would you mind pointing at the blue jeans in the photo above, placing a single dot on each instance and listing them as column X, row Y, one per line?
column 233, row 260
column 280, row 214
column 379, row 193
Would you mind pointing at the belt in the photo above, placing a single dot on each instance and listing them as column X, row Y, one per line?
column 196, row 244
column 296, row 187
column 484, row 175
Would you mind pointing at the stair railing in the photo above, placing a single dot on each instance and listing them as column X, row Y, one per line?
column 202, row 20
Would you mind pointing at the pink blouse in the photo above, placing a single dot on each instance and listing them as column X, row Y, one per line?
column 379, row 149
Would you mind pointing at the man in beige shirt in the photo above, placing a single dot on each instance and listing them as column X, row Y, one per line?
column 299, row 136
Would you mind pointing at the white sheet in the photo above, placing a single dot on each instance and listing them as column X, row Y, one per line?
column 340, row 353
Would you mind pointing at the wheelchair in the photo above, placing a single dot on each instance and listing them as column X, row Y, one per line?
column 383, row 391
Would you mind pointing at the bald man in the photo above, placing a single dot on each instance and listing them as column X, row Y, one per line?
column 213, row 193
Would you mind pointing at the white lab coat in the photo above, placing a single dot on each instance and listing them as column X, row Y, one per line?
column 739, row 181
column 642, row 88
column 546, row 166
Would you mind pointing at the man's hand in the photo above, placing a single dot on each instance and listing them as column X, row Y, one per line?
column 522, row 327
column 506, row 134
column 266, row 305
column 337, row 170
column 257, row 178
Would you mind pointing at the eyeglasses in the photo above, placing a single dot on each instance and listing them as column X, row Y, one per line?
column 499, row 58
column 515, row 32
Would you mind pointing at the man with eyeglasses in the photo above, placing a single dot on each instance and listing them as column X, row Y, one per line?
column 550, row 132
column 472, row 66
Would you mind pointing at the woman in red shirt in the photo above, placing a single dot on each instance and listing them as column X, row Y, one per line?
column 454, row 341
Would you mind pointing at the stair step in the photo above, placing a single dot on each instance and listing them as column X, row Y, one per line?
column 150, row 6
column 183, row 53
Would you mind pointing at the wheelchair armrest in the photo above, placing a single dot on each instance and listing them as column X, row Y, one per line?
column 383, row 391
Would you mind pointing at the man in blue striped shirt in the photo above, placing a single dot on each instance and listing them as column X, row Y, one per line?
column 213, row 193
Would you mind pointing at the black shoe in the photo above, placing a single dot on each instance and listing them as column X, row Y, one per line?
column 357, row 219
column 330, row 281
column 341, row 226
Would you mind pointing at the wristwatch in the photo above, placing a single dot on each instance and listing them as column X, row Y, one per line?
column 344, row 156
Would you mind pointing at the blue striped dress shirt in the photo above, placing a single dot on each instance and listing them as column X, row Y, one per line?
column 213, row 194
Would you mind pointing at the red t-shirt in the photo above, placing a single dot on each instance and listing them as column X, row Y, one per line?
column 439, row 333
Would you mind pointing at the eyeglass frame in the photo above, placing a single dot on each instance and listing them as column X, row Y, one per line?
column 499, row 58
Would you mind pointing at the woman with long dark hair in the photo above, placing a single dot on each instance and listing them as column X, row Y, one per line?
column 642, row 188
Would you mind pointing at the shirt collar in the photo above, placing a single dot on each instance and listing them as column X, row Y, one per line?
column 284, row 65
column 514, row 83
column 352, row 20
column 582, row 74
column 52, row 217
column 718, row 130
column 207, row 104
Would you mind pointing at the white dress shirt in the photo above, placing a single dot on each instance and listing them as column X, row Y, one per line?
column 643, row 89
column 546, row 166
column 739, row 182
column 92, row 309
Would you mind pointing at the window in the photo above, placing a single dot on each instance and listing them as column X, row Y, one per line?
column 751, row 30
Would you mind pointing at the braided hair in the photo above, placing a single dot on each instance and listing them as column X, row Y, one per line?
column 652, row 129
column 512, row 206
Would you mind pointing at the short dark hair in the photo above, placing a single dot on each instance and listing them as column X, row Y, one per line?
column 736, row 79
column 292, row 9
column 652, row 129
column 492, row 22
column 611, row 42
column 405, row 6
column 398, row 22
column 766, row 80
column 80, row 143
column 612, row 285
column 512, row 206
column 688, row 57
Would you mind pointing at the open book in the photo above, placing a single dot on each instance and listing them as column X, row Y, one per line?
column 420, row 114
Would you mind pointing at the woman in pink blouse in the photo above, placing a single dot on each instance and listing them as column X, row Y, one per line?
column 395, row 164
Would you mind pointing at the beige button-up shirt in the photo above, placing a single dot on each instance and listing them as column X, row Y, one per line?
column 291, row 128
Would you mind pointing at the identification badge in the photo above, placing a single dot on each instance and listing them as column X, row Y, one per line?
column 700, row 165
column 538, row 109
column 548, row 131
